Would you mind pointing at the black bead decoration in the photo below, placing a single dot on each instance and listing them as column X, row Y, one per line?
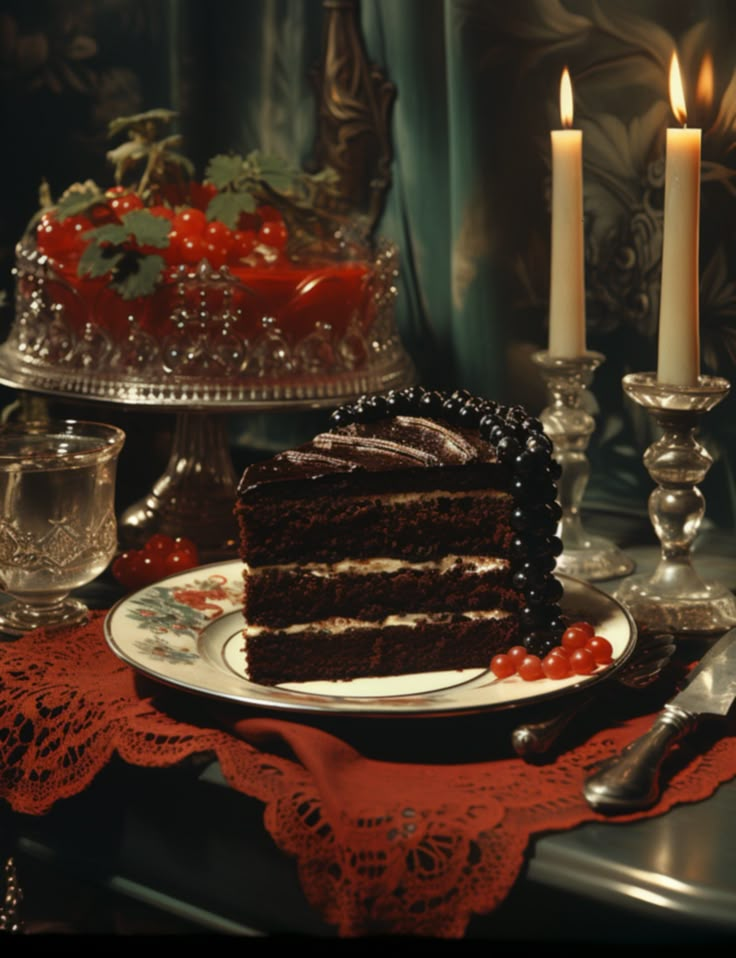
column 521, row 444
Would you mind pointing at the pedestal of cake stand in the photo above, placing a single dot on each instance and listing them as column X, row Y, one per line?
column 195, row 495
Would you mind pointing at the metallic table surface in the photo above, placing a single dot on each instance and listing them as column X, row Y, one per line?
column 681, row 865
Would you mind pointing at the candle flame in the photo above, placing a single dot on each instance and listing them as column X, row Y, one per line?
column 677, row 94
column 566, row 104
column 704, row 88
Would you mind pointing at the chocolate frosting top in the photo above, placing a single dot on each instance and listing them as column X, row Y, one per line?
column 399, row 442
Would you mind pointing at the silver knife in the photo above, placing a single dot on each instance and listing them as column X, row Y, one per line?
column 631, row 780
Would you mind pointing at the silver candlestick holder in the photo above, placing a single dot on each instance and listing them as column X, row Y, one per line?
column 674, row 598
column 570, row 426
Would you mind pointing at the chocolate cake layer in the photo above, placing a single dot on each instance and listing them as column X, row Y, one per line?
column 403, row 525
column 377, row 588
column 458, row 642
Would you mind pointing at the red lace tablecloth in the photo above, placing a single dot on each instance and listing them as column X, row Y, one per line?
column 409, row 845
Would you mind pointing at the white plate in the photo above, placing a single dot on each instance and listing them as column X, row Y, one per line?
column 186, row 631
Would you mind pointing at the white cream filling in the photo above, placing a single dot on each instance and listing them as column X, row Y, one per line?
column 472, row 565
column 342, row 624
column 401, row 497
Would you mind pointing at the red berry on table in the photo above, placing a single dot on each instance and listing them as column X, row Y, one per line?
column 153, row 566
column 127, row 569
column 530, row 668
column 184, row 545
column 503, row 666
column 178, row 561
column 160, row 556
column 159, row 542
column 601, row 648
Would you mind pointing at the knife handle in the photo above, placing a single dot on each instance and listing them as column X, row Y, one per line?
column 631, row 781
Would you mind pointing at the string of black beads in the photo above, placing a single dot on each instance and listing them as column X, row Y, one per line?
column 521, row 444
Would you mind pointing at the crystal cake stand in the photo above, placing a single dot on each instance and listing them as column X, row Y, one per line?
column 202, row 371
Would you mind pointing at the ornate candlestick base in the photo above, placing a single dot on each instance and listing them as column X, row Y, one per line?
column 675, row 598
column 569, row 427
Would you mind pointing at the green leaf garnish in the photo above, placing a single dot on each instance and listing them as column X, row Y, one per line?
column 143, row 280
column 146, row 228
column 228, row 207
column 78, row 200
column 94, row 263
column 223, row 170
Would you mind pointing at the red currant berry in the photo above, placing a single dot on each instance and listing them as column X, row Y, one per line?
column 584, row 626
column 517, row 654
column 601, row 648
column 574, row 637
column 182, row 544
column 127, row 569
column 582, row 662
column 192, row 249
column 242, row 245
column 531, row 668
column 269, row 214
column 273, row 233
column 159, row 542
column 217, row 254
column 556, row 666
column 502, row 666
column 178, row 561
column 190, row 222
column 125, row 203
column 165, row 212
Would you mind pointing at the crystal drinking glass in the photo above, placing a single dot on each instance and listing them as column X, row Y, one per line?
column 58, row 528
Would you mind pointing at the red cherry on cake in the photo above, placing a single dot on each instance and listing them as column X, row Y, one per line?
column 219, row 242
column 242, row 245
column 274, row 233
column 56, row 236
column 192, row 249
column 190, row 222
column 201, row 194
column 163, row 211
column 125, row 203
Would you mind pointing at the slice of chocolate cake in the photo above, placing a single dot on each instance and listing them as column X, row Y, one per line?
column 417, row 535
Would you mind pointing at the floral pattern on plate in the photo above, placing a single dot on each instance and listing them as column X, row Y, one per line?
column 179, row 611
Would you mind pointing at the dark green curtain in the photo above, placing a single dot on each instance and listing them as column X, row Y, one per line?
column 477, row 84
